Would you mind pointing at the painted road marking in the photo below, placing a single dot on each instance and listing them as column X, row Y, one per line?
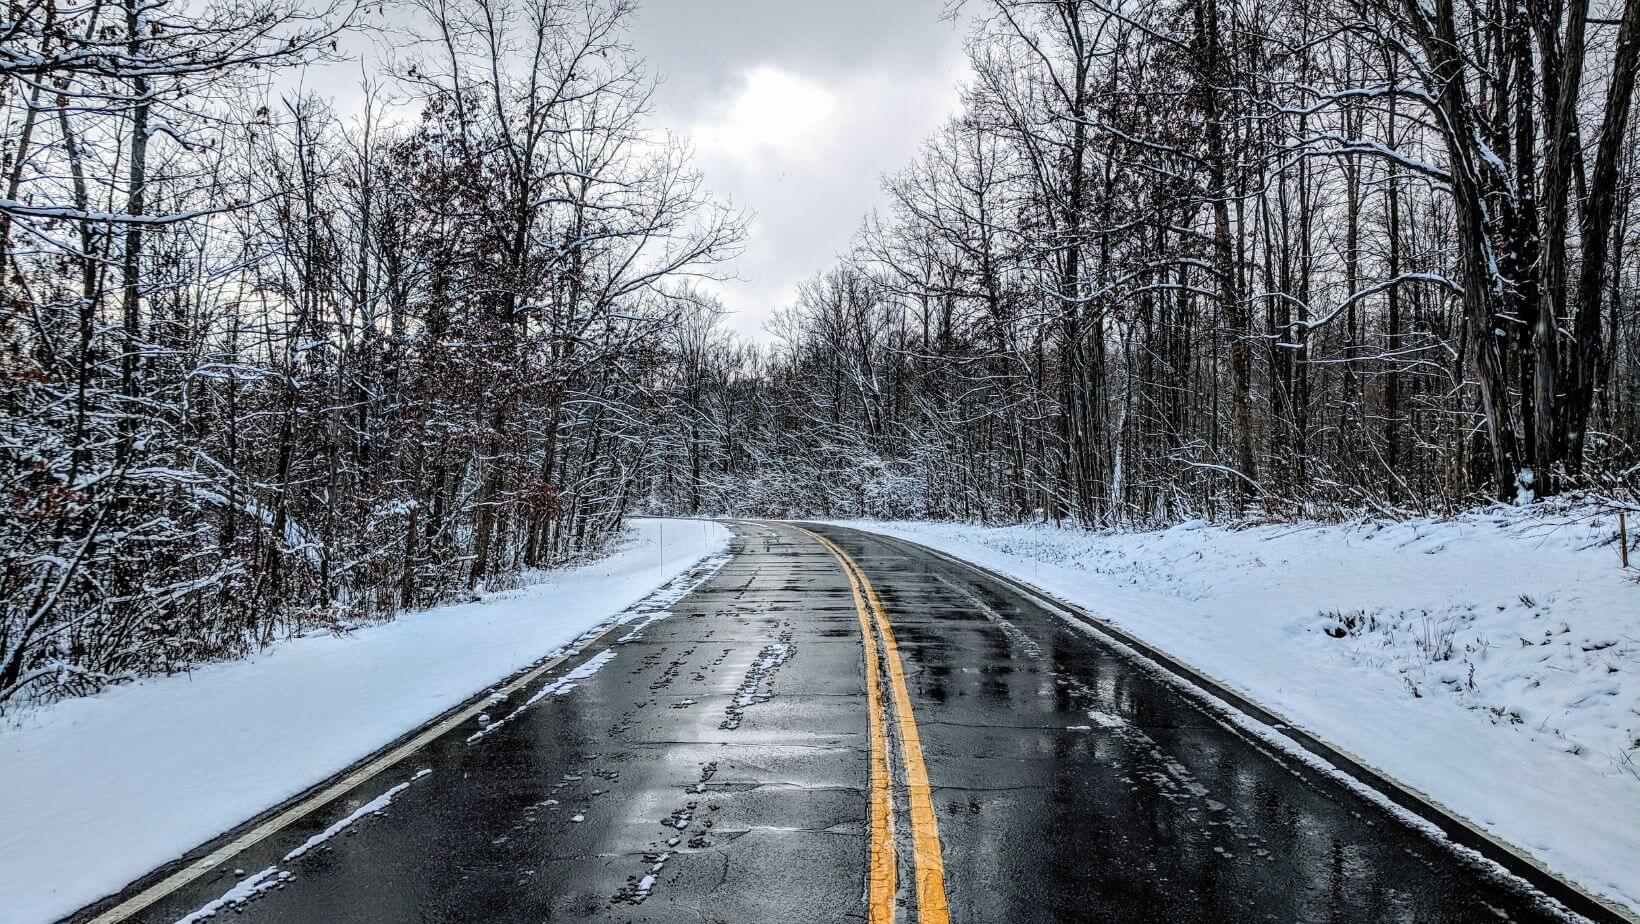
column 880, row 871
column 256, row 835
column 932, row 906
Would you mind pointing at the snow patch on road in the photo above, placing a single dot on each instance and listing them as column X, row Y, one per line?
column 638, row 888
column 374, row 807
column 273, row 877
column 1491, row 661
column 567, row 683
column 751, row 689
column 636, row 632
column 557, row 687
column 1106, row 720
column 248, row 888
column 773, row 656
column 97, row 791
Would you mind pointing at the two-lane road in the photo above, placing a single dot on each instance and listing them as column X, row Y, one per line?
column 836, row 726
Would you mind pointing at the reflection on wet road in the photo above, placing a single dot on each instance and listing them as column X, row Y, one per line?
column 716, row 758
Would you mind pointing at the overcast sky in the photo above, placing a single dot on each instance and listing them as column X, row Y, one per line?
column 796, row 108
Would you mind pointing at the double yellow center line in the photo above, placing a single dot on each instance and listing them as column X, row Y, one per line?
column 932, row 907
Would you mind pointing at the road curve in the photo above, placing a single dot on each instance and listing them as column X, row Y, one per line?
column 836, row 726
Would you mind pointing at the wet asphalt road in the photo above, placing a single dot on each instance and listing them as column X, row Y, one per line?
column 710, row 761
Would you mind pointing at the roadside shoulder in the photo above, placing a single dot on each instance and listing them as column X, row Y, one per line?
column 1507, row 792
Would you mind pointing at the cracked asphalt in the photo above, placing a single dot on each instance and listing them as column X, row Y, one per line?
column 708, row 761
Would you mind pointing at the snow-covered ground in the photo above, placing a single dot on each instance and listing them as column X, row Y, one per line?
column 1491, row 661
column 97, row 791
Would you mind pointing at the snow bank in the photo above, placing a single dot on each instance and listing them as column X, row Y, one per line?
column 1491, row 661
column 94, row 792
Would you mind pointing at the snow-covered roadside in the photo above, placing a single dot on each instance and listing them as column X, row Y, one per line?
column 97, row 791
column 1491, row 661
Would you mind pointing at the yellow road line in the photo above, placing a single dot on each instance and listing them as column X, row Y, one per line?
column 932, row 906
column 880, row 872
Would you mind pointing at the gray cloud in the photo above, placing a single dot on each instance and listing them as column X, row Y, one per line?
column 797, row 108
column 700, row 45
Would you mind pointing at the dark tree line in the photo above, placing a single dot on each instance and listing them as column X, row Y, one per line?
column 266, row 368
column 1217, row 258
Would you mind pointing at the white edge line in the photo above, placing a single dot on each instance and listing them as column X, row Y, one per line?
column 250, row 838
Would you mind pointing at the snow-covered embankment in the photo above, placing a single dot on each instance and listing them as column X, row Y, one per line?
column 1491, row 661
column 94, row 792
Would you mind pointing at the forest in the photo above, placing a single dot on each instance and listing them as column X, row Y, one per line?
column 1177, row 260
column 266, row 368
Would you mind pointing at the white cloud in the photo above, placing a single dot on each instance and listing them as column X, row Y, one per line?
column 775, row 116
column 806, row 155
column 795, row 110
